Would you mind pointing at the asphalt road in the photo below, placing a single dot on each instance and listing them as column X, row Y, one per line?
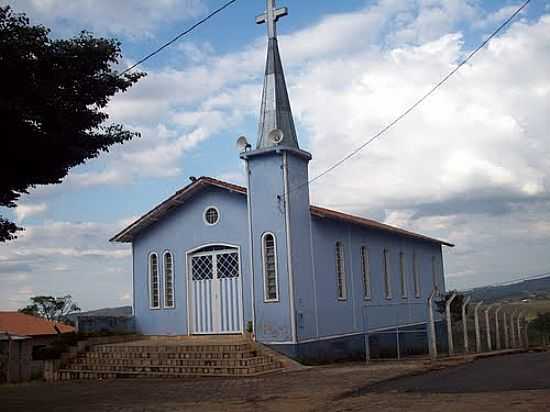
column 502, row 373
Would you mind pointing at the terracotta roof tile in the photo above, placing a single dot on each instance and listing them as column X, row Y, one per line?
column 21, row 324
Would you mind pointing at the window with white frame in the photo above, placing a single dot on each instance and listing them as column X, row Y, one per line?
column 340, row 271
column 434, row 271
column 416, row 276
column 387, row 274
column 168, row 280
column 367, row 287
column 269, row 255
column 154, row 287
column 404, row 293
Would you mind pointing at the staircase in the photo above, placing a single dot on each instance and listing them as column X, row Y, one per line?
column 172, row 357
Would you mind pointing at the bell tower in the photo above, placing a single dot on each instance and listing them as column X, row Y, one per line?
column 278, row 207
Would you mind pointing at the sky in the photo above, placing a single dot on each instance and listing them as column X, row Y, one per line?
column 471, row 165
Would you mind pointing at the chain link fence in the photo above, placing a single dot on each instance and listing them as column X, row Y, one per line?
column 446, row 325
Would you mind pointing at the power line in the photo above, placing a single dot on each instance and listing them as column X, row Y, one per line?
column 175, row 39
column 416, row 104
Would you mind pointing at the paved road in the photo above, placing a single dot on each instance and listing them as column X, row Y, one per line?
column 503, row 373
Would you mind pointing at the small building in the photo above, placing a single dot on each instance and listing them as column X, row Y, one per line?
column 217, row 258
column 21, row 336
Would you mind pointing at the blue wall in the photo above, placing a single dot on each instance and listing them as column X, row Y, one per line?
column 180, row 231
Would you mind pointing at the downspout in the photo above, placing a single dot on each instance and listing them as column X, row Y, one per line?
column 288, row 249
column 251, row 250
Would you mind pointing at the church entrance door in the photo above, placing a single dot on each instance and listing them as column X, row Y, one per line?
column 215, row 289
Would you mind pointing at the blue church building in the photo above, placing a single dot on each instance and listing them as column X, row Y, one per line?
column 217, row 258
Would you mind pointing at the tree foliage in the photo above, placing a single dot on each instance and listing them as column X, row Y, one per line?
column 542, row 323
column 51, row 308
column 456, row 305
column 52, row 92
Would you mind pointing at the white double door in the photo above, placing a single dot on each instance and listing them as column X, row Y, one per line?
column 216, row 305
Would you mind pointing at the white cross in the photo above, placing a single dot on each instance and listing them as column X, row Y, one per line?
column 271, row 16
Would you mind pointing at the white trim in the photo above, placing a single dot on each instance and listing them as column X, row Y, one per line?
column 403, row 276
column 405, row 325
column 251, row 253
column 204, row 215
column 416, row 276
column 341, row 276
column 288, row 249
column 365, row 272
column 164, row 305
column 266, row 299
column 387, row 275
column 188, row 253
column 149, row 283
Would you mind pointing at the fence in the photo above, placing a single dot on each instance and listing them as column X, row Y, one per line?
column 443, row 325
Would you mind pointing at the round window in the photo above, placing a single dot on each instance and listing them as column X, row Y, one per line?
column 211, row 216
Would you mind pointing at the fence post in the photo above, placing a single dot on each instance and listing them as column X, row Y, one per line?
column 488, row 326
column 497, row 329
column 520, row 338
column 431, row 327
column 476, row 322
column 512, row 330
column 449, row 325
column 465, row 324
column 506, row 336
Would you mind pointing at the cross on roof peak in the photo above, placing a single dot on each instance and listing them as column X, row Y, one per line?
column 270, row 17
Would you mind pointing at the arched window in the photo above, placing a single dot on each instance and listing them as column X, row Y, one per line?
column 168, row 280
column 154, row 288
column 340, row 272
column 269, row 255
column 387, row 275
column 367, row 288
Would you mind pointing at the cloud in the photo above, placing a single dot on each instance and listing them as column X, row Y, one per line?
column 24, row 210
column 58, row 258
column 132, row 18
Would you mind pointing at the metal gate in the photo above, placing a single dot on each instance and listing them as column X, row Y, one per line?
column 216, row 305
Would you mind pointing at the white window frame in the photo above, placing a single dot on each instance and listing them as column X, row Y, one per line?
column 204, row 215
column 167, row 252
column 264, row 268
column 150, row 278
column 416, row 275
column 341, row 272
column 365, row 269
column 387, row 275
column 402, row 273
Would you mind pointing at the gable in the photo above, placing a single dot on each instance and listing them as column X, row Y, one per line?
column 201, row 184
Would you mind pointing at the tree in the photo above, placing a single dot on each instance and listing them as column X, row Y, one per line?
column 52, row 92
column 542, row 323
column 456, row 305
column 50, row 308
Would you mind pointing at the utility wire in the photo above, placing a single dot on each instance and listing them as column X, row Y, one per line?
column 417, row 103
column 179, row 36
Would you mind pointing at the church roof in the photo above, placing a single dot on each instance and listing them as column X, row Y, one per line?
column 178, row 198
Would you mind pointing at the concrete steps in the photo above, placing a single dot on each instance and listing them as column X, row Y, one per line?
column 166, row 358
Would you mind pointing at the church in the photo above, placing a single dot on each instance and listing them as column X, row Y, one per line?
column 309, row 282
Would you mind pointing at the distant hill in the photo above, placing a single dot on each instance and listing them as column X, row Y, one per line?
column 533, row 289
column 118, row 311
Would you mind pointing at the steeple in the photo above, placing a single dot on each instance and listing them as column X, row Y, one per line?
column 275, row 112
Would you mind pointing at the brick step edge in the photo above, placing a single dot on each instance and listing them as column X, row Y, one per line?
column 248, row 362
column 97, row 375
column 171, row 348
column 163, row 368
column 168, row 355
